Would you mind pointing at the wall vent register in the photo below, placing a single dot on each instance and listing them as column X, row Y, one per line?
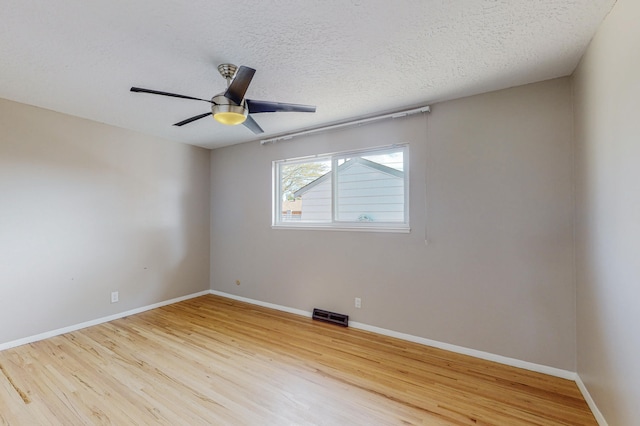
column 330, row 317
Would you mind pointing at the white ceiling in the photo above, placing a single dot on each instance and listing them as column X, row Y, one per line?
column 350, row 58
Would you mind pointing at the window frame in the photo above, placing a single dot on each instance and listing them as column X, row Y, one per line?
column 334, row 224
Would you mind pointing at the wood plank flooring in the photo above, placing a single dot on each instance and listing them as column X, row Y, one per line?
column 216, row 361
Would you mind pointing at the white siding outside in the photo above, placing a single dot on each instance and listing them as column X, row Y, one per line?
column 364, row 194
column 316, row 203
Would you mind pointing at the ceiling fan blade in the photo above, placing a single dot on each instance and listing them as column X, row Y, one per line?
column 174, row 95
column 256, row 107
column 251, row 124
column 194, row 118
column 239, row 85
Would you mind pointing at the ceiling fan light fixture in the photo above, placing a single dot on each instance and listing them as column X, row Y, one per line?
column 230, row 118
column 227, row 113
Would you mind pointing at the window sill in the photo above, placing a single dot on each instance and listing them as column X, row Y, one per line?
column 400, row 229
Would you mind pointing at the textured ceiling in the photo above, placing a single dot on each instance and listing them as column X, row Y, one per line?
column 350, row 58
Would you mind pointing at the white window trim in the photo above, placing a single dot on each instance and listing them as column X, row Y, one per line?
column 335, row 225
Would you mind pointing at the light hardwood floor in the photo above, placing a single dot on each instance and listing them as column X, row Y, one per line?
column 212, row 360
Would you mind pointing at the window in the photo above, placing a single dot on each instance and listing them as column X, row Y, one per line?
column 355, row 190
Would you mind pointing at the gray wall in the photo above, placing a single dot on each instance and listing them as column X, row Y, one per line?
column 491, row 190
column 87, row 208
column 607, row 129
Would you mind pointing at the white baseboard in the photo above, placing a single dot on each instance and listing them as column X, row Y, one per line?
column 590, row 402
column 552, row 371
column 513, row 362
column 264, row 304
column 75, row 327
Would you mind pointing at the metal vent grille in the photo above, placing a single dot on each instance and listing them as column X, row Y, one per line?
column 332, row 317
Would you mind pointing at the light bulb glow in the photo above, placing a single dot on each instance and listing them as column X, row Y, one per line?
column 230, row 118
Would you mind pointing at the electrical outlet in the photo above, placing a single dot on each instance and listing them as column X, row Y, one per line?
column 114, row 297
column 358, row 303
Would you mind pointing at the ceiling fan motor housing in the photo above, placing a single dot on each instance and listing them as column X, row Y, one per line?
column 227, row 112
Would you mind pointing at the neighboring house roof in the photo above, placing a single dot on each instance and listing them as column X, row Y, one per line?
column 347, row 164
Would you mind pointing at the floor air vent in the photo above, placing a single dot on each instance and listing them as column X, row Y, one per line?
column 332, row 317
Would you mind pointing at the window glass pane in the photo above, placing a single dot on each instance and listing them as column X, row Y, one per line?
column 370, row 188
column 365, row 189
column 305, row 191
column 394, row 159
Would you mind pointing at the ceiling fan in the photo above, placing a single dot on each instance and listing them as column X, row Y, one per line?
column 231, row 107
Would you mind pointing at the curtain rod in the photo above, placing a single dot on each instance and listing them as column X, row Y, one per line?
column 398, row 114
